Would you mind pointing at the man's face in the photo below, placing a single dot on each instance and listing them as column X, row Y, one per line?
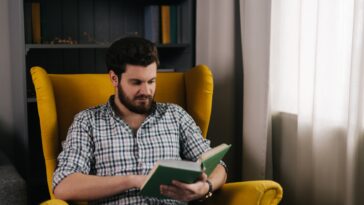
column 137, row 88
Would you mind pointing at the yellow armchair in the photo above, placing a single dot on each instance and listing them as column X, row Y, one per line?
column 61, row 96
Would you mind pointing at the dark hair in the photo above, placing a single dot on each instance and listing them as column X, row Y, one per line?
column 130, row 50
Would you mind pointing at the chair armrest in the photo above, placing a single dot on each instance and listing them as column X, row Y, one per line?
column 54, row 202
column 61, row 202
column 263, row 192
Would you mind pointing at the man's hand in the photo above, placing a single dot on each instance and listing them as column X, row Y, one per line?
column 186, row 192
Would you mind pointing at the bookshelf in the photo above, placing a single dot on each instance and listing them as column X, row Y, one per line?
column 91, row 26
column 97, row 23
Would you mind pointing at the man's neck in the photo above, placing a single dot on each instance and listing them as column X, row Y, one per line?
column 134, row 120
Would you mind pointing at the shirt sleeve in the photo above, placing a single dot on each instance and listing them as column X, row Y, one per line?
column 76, row 156
column 192, row 142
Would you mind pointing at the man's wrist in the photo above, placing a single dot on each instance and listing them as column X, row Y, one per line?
column 209, row 192
column 134, row 181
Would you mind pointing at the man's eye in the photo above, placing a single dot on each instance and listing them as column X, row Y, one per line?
column 135, row 82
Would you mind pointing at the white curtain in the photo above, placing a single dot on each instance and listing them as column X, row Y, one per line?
column 303, row 65
column 317, row 73
column 256, row 143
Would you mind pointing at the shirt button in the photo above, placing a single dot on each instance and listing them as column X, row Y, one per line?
column 140, row 164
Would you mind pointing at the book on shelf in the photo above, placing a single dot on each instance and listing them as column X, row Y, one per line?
column 164, row 171
column 173, row 23
column 165, row 24
column 28, row 22
column 179, row 24
column 36, row 29
column 151, row 23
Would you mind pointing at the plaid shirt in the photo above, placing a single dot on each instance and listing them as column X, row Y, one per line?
column 100, row 143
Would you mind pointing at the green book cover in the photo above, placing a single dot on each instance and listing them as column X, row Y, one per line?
column 211, row 158
column 167, row 170
column 185, row 171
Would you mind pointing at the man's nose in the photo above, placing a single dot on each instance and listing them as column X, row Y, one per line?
column 145, row 89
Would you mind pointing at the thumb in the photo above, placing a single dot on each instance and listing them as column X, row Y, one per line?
column 203, row 177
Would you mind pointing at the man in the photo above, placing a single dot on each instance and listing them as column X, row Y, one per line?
column 111, row 148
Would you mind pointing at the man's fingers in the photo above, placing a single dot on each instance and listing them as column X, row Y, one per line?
column 184, row 192
column 175, row 192
column 180, row 185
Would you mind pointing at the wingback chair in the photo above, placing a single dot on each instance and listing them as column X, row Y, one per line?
column 61, row 96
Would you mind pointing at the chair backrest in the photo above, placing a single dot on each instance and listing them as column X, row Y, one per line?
column 61, row 96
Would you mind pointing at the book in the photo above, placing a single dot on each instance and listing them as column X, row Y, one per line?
column 211, row 158
column 165, row 24
column 165, row 171
column 151, row 23
column 179, row 24
column 36, row 29
column 28, row 22
column 173, row 23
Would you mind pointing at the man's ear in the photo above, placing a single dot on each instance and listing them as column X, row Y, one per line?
column 114, row 78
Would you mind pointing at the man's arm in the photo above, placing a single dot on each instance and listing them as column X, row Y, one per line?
column 189, row 192
column 81, row 187
column 192, row 146
column 71, row 180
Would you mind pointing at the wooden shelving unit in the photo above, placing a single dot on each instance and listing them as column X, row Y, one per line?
column 94, row 25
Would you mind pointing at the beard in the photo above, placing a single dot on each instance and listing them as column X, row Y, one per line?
column 143, row 107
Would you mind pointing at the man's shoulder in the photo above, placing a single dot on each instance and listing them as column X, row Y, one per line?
column 91, row 112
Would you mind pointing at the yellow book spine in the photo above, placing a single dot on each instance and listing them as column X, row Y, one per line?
column 36, row 22
column 166, row 24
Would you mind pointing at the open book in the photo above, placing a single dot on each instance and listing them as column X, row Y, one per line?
column 185, row 171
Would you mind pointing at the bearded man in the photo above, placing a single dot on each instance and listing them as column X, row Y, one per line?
column 111, row 148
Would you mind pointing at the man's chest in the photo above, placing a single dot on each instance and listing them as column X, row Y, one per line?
column 119, row 151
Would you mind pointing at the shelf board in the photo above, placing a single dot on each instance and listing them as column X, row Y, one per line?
column 80, row 46
column 160, row 2
column 173, row 45
column 63, row 46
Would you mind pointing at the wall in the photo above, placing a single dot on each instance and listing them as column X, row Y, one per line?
column 218, row 46
column 6, row 109
column 13, row 127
